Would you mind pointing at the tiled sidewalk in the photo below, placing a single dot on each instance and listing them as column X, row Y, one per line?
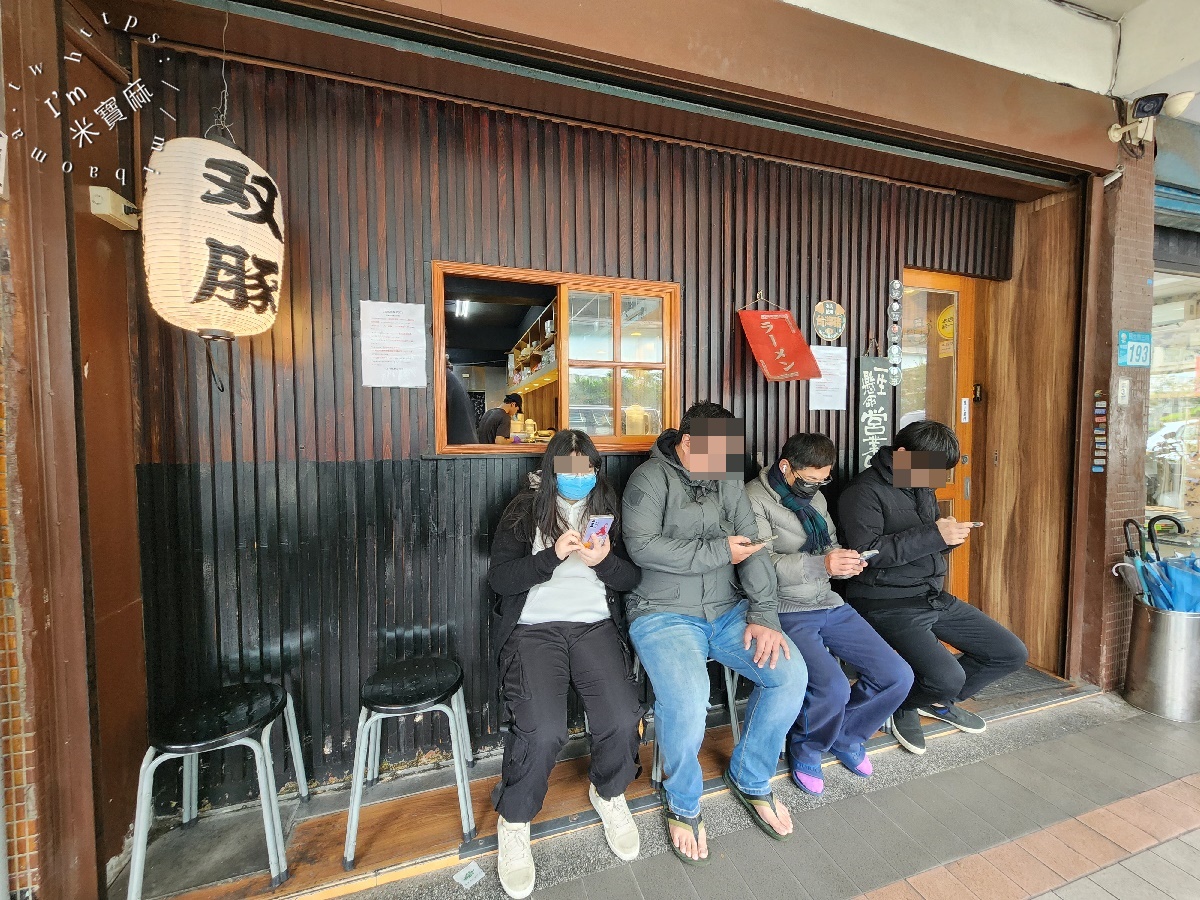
column 1048, row 802
column 1170, row 870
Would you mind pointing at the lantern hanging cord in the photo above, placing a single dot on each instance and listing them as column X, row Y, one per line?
column 212, row 370
column 222, row 108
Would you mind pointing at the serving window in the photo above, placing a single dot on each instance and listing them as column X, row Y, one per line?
column 595, row 354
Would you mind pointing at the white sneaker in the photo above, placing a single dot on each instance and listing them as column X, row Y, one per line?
column 619, row 828
column 514, row 863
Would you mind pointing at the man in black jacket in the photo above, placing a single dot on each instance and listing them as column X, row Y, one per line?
column 891, row 507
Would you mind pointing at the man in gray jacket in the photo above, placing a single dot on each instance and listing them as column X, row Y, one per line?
column 708, row 591
column 788, row 504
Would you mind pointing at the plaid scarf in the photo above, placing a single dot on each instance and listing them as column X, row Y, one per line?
column 817, row 533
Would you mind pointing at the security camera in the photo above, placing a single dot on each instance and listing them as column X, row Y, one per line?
column 1140, row 118
column 1135, row 121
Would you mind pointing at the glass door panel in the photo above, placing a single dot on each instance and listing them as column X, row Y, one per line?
column 937, row 364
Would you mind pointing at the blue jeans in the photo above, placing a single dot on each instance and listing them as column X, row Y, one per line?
column 835, row 716
column 674, row 651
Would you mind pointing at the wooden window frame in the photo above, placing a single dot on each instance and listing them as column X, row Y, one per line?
column 564, row 283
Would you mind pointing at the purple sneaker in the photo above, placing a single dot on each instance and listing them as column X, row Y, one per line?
column 810, row 784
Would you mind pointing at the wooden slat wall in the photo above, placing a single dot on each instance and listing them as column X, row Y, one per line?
column 1018, row 574
column 292, row 526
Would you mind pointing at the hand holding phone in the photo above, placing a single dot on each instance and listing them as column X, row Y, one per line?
column 597, row 526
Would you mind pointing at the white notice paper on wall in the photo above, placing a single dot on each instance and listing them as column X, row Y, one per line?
column 831, row 389
column 392, row 337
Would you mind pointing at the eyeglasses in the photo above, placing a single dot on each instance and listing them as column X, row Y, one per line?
column 820, row 483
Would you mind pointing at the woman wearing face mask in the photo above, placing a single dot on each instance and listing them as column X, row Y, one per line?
column 788, row 505
column 559, row 621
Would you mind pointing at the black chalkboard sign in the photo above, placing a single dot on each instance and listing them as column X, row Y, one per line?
column 874, row 407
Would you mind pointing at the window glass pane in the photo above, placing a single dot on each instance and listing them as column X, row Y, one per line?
column 590, row 334
column 1173, row 413
column 591, row 399
column 641, row 329
column 641, row 401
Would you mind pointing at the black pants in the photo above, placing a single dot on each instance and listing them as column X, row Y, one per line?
column 537, row 663
column 915, row 626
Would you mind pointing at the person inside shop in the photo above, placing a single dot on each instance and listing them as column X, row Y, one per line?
column 460, row 413
column 496, row 425
column 891, row 507
column 708, row 591
column 793, row 520
column 559, row 621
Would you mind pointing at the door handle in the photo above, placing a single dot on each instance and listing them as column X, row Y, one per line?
column 967, row 488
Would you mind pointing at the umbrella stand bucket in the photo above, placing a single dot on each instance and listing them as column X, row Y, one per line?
column 1163, row 673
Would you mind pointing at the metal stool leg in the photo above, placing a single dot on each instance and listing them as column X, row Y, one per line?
column 356, row 792
column 265, row 781
column 656, row 769
column 468, row 752
column 191, row 789
column 143, row 818
column 374, row 742
column 269, row 792
column 731, row 680
column 460, row 774
column 293, row 732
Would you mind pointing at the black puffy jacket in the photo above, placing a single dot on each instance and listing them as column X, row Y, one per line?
column 900, row 524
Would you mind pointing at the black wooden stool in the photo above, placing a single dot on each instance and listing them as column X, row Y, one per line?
column 418, row 685
column 239, row 715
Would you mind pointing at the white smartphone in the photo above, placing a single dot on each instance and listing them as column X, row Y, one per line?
column 766, row 540
column 973, row 524
column 868, row 554
column 597, row 526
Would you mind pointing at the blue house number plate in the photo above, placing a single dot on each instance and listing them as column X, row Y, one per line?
column 1133, row 348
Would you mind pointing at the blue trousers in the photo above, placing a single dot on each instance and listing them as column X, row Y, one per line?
column 674, row 651
column 836, row 716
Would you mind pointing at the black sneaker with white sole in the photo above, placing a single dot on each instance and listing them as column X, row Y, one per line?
column 905, row 726
column 956, row 716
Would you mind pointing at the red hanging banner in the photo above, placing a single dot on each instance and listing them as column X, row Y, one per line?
column 781, row 350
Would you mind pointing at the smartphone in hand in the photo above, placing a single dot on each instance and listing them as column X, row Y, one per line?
column 868, row 554
column 597, row 526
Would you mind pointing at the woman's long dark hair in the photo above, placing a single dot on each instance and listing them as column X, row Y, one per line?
column 536, row 509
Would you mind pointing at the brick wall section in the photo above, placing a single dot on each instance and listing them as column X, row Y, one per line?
column 16, row 731
column 1129, row 222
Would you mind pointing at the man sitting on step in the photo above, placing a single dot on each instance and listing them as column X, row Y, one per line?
column 891, row 507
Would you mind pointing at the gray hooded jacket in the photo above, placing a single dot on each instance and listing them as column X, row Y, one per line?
column 677, row 529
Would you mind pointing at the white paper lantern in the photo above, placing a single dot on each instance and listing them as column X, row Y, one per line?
column 212, row 236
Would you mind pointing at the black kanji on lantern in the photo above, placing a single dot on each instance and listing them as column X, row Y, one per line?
column 229, row 278
column 237, row 187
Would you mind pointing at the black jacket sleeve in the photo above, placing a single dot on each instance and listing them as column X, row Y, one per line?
column 863, row 529
column 514, row 568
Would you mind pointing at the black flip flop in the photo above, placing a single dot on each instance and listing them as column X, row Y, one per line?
column 753, row 802
column 695, row 823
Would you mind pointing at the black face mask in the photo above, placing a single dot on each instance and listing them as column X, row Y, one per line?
column 802, row 488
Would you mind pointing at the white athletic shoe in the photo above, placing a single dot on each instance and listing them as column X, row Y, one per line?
column 619, row 828
column 514, row 863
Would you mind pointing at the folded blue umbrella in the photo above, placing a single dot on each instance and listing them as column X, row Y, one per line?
column 1183, row 576
column 1158, row 584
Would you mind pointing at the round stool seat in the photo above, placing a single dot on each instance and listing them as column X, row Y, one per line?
column 219, row 718
column 412, row 685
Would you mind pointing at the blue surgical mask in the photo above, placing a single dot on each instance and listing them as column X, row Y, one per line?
column 575, row 485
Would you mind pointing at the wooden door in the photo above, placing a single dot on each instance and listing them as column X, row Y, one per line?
column 102, row 266
column 937, row 342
